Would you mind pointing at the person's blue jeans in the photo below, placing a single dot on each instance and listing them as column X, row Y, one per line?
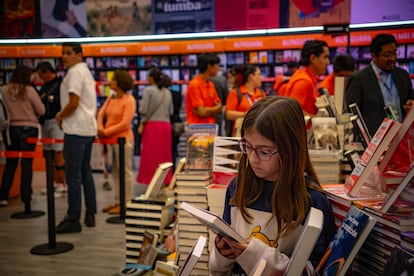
column 18, row 136
column 77, row 153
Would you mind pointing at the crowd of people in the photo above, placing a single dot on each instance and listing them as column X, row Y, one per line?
column 272, row 130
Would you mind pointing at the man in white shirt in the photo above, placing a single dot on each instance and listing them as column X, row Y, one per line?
column 78, row 121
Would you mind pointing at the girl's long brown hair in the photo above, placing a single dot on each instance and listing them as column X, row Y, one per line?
column 279, row 119
column 19, row 80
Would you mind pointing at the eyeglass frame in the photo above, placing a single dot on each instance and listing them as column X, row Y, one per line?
column 269, row 154
column 390, row 54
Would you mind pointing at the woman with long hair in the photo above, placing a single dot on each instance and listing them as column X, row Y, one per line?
column 24, row 106
column 156, row 108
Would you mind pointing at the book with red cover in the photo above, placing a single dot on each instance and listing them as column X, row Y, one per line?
column 372, row 154
column 400, row 154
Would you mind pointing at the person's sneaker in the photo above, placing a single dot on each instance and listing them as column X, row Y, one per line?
column 61, row 188
column 114, row 211
column 67, row 226
column 4, row 203
column 109, row 207
column 90, row 220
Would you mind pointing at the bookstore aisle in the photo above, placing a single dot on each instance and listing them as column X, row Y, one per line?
column 97, row 251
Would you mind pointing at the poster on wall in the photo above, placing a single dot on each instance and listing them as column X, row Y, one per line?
column 182, row 16
column 63, row 18
column 318, row 12
column 17, row 18
column 250, row 14
column 381, row 11
column 123, row 17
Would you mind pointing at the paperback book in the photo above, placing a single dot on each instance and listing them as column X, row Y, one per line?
column 200, row 143
column 306, row 242
column 371, row 156
column 400, row 155
column 213, row 222
column 193, row 256
column 346, row 243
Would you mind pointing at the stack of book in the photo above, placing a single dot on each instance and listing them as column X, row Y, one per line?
column 191, row 186
column 327, row 164
column 385, row 236
column 145, row 215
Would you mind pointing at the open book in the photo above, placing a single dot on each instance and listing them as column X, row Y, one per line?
column 213, row 222
column 193, row 256
column 307, row 240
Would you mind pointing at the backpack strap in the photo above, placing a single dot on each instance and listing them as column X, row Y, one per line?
column 239, row 96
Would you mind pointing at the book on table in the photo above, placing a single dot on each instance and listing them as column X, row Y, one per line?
column 213, row 222
column 371, row 156
column 200, row 142
column 400, row 154
column 401, row 199
column 157, row 180
column 360, row 127
column 346, row 243
column 193, row 256
column 306, row 242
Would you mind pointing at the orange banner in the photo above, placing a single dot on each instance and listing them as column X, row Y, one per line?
column 270, row 42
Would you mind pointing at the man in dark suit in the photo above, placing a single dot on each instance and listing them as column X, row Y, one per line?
column 381, row 84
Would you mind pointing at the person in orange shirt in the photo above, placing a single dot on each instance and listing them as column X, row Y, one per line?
column 344, row 66
column 249, row 81
column 302, row 86
column 279, row 87
column 202, row 101
column 115, row 120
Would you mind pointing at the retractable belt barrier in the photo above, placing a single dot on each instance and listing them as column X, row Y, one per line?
column 52, row 247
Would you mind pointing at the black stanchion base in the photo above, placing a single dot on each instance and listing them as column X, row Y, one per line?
column 115, row 220
column 24, row 215
column 44, row 249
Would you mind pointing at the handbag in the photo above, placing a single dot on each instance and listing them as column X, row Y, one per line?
column 141, row 125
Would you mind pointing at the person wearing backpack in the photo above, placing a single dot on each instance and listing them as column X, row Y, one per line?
column 24, row 107
column 245, row 94
column 50, row 95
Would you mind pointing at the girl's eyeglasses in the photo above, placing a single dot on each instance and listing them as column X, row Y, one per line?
column 263, row 155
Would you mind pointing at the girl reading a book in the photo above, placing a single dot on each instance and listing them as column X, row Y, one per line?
column 270, row 198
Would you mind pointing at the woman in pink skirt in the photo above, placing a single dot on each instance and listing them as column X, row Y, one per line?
column 156, row 108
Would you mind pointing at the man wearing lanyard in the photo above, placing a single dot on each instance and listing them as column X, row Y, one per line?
column 381, row 85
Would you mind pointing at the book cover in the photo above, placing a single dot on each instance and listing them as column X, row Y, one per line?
column 372, row 154
column 306, row 242
column 325, row 133
column 346, row 243
column 213, row 222
column 359, row 125
column 400, row 154
column 193, row 256
column 200, row 143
